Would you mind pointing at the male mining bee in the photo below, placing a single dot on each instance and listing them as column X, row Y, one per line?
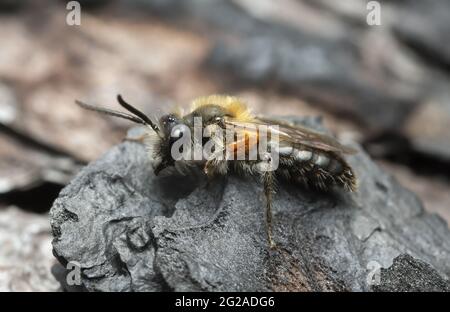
column 294, row 153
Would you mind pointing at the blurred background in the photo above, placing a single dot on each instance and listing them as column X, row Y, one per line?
column 385, row 86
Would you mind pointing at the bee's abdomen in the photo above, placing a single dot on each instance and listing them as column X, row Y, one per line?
column 316, row 168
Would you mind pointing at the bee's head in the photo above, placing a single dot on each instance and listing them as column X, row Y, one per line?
column 172, row 128
column 168, row 123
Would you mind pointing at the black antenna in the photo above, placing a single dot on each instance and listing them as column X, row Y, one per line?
column 110, row 112
column 137, row 112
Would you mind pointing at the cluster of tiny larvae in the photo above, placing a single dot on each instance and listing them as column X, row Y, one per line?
column 305, row 156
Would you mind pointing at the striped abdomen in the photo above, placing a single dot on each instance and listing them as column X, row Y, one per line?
column 315, row 167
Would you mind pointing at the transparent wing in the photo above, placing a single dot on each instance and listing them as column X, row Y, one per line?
column 295, row 135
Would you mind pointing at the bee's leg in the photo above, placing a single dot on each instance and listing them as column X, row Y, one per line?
column 268, row 182
column 268, row 179
column 208, row 169
column 216, row 165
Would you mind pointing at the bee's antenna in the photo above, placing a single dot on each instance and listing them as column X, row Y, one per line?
column 111, row 112
column 137, row 112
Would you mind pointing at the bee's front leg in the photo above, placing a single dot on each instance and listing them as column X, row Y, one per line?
column 208, row 169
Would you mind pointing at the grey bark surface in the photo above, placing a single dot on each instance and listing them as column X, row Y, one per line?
column 132, row 231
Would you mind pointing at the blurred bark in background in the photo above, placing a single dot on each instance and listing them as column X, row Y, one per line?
column 385, row 86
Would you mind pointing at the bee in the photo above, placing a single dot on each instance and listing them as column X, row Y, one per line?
column 305, row 156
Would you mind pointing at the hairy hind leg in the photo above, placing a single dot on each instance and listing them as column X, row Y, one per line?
column 268, row 179
column 268, row 183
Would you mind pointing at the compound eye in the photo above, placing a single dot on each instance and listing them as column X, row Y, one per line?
column 168, row 120
column 220, row 120
column 178, row 131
